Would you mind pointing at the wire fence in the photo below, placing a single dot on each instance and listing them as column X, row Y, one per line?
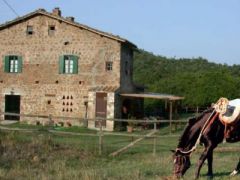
column 151, row 132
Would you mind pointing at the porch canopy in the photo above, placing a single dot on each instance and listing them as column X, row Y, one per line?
column 153, row 96
column 166, row 97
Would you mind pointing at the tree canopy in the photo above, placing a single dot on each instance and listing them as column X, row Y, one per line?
column 199, row 81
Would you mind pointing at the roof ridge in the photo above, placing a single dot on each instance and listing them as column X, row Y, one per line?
column 44, row 12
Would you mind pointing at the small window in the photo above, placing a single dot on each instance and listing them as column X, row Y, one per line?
column 109, row 66
column 13, row 64
column 51, row 30
column 29, row 30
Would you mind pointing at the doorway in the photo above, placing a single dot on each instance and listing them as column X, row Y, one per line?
column 101, row 108
column 12, row 105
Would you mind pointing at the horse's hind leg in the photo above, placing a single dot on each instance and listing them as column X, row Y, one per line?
column 236, row 170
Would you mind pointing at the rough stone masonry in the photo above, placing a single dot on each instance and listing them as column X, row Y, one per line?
column 104, row 64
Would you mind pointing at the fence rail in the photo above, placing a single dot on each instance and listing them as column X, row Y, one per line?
column 101, row 133
column 95, row 119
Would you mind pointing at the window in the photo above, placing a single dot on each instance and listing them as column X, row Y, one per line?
column 109, row 66
column 51, row 30
column 13, row 64
column 29, row 30
column 68, row 64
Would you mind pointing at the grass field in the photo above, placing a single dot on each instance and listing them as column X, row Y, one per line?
column 43, row 155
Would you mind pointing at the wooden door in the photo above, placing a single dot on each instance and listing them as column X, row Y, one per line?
column 101, row 108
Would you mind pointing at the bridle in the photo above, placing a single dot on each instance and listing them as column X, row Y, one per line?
column 220, row 107
column 207, row 124
column 179, row 160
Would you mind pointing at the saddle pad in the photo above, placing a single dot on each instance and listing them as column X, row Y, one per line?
column 234, row 102
column 232, row 113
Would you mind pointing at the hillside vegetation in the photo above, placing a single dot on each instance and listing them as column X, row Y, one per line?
column 199, row 81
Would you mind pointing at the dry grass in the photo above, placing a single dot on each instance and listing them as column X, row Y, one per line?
column 43, row 156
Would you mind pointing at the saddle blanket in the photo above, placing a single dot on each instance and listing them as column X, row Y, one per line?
column 231, row 107
column 234, row 102
column 232, row 113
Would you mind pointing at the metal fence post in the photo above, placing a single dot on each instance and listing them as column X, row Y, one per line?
column 154, row 140
column 100, row 138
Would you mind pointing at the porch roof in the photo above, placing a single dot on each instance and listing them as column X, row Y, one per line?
column 153, row 96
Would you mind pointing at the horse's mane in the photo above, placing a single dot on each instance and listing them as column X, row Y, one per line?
column 188, row 127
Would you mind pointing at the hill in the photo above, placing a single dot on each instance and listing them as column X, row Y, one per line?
column 199, row 81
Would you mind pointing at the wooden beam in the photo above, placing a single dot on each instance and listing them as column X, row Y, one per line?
column 131, row 144
column 153, row 96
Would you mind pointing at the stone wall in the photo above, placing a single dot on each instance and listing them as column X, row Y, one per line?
column 40, row 81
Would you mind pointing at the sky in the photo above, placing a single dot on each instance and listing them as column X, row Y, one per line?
column 173, row 28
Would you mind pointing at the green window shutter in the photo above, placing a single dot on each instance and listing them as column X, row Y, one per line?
column 19, row 64
column 75, row 64
column 61, row 65
column 6, row 64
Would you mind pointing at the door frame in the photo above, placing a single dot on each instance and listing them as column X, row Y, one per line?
column 17, row 110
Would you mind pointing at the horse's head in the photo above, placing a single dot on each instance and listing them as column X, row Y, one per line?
column 181, row 162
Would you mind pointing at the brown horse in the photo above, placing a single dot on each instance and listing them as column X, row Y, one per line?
column 205, row 129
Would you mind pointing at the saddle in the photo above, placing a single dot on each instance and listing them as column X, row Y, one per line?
column 229, row 115
column 229, row 111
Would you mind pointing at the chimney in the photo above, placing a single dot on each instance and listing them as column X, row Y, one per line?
column 56, row 11
column 70, row 18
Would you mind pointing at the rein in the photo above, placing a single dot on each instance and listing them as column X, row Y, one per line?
column 209, row 121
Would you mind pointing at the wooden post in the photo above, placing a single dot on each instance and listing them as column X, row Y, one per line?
column 165, row 105
column 85, row 122
column 100, row 138
column 170, row 117
column 154, row 140
column 175, row 107
column 50, row 117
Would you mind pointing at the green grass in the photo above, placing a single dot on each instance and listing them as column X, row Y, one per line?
column 44, row 155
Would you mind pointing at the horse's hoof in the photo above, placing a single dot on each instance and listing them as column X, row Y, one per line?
column 210, row 176
column 234, row 173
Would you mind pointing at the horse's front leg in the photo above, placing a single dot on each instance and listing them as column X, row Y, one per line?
column 204, row 155
column 236, row 170
column 210, row 161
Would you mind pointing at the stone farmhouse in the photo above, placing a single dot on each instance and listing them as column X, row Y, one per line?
column 52, row 65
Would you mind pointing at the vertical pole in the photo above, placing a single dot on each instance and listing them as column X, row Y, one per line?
column 100, row 138
column 197, row 110
column 165, row 105
column 154, row 140
column 50, row 119
column 86, row 114
column 170, row 116
column 176, row 114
